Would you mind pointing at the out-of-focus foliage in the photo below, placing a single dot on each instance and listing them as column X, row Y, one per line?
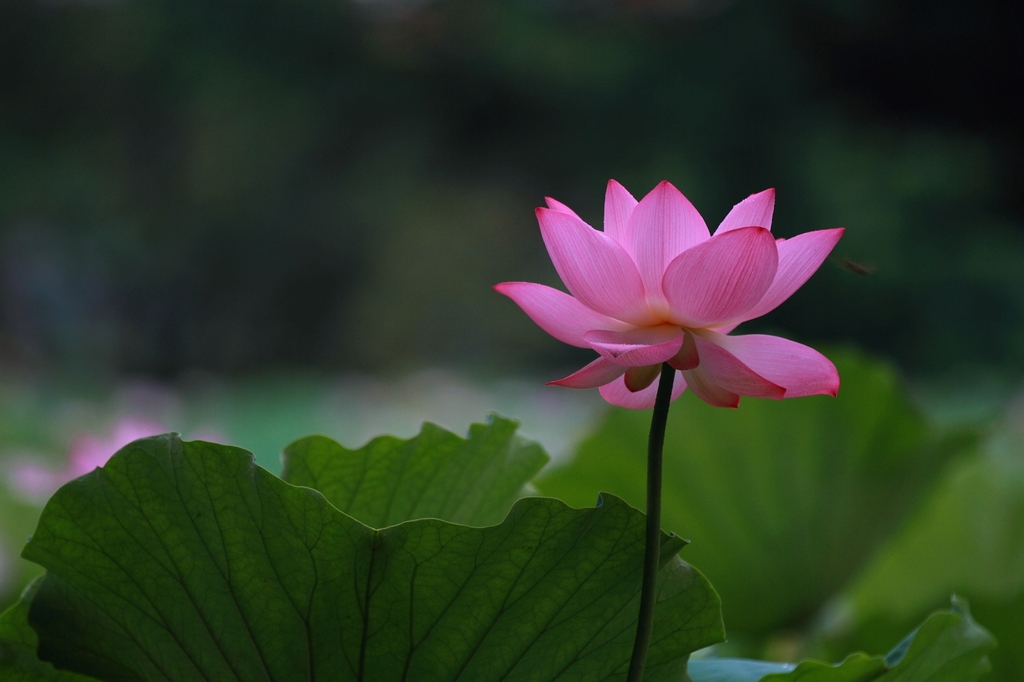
column 949, row 646
column 18, row 519
column 191, row 184
column 783, row 500
column 969, row 538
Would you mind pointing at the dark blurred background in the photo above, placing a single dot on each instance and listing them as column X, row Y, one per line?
column 334, row 186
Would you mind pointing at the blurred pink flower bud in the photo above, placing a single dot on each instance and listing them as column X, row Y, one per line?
column 35, row 482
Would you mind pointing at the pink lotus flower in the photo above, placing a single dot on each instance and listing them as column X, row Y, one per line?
column 657, row 287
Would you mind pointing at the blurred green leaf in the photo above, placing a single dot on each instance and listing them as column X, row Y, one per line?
column 181, row 561
column 784, row 501
column 968, row 538
column 436, row 474
column 17, row 519
column 948, row 647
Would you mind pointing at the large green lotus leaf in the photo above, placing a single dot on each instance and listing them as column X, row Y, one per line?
column 185, row 561
column 435, row 474
column 948, row 647
column 967, row 538
column 18, row 641
column 783, row 500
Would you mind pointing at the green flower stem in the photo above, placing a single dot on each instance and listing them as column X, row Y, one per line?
column 652, row 542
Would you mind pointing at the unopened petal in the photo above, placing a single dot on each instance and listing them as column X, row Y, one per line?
column 597, row 373
column 799, row 258
column 663, row 225
column 721, row 278
column 729, row 372
column 595, row 269
column 754, row 211
column 616, row 393
column 800, row 370
column 637, row 347
column 618, row 206
column 558, row 313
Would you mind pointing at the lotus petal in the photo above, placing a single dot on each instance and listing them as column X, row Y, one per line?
column 721, row 278
column 595, row 269
column 799, row 258
column 558, row 313
column 726, row 370
column 800, row 370
column 637, row 347
column 618, row 206
column 663, row 225
column 705, row 388
column 639, row 378
column 754, row 211
column 556, row 205
column 616, row 393
column 597, row 373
